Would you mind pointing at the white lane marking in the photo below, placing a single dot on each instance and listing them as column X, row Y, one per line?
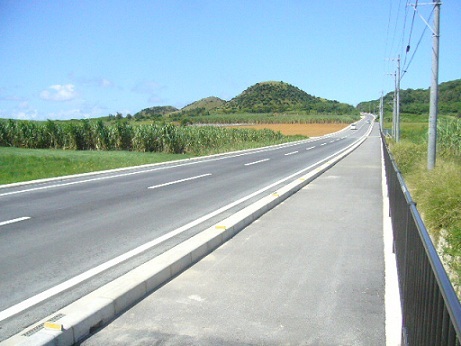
column 310, row 148
column 14, row 220
column 179, row 181
column 255, row 162
column 15, row 309
column 334, row 140
column 292, row 153
column 323, row 144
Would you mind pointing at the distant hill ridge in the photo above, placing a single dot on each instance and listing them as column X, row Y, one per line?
column 278, row 97
column 208, row 103
column 264, row 97
column 157, row 111
column 416, row 101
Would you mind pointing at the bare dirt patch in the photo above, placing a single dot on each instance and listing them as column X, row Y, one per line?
column 311, row 130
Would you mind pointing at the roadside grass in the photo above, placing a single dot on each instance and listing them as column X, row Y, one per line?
column 18, row 164
column 436, row 192
column 21, row 164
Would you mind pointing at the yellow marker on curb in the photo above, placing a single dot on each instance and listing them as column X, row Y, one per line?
column 220, row 227
column 275, row 194
column 53, row 326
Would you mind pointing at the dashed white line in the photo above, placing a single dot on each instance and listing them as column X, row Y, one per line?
column 323, row 144
column 292, row 153
column 179, row 181
column 310, row 148
column 3, row 223
column 255, row 162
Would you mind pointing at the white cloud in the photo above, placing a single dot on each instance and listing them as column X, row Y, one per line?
column 150, row 88
column 23, row 105
column 59, row 92
column 105, row 83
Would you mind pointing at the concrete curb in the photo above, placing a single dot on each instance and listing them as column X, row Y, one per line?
column 76, row 321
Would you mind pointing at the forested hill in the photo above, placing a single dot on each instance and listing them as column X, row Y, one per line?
column 154, row 112
column 416, row 101
column 265, row 97
column 270, row 97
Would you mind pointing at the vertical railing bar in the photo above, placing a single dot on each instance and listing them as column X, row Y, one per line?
column 439, row 317
column 425, row 321
column 433, row 309
column 445, row 326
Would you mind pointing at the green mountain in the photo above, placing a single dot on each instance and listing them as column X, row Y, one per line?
column 416, row 101
column 265, row 97
column 276, row 97
column 208, row 103
column 155, row 112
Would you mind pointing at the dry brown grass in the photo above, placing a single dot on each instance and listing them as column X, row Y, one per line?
column 311, row 130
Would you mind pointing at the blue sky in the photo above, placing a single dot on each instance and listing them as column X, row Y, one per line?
column 77, row 59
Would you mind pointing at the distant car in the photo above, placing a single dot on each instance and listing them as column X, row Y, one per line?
column 353, row 127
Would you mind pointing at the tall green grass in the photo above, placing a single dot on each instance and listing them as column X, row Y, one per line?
column 167, row 138
column 436, row 192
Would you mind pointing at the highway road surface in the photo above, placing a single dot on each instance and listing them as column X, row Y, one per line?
column 61, row 239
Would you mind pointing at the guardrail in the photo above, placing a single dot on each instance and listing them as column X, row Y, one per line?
column 431, row 311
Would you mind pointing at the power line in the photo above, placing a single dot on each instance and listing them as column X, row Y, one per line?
column 417, row 46
column 407, row 49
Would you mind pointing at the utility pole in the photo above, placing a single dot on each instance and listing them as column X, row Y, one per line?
column 397, row 102
column 434, row 95
column 394, row 107
column 381, row 113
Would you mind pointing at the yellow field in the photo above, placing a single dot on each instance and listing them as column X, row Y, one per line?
column 311, row 130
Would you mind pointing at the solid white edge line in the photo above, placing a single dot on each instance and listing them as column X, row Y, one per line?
column 14, row 220
column 393, row 313
column 255, row 162
column 179, row 181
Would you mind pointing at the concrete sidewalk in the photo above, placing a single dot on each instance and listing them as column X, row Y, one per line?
column 311, row 271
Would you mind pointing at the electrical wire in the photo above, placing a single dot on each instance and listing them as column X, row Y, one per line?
column 408, row 47
column 417, row 46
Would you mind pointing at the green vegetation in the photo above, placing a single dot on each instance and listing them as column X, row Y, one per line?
column 437, row 192
column 207, row 104
column 416, row 102
column 96, row 135
column 29, row 164
column 263, row 118
column 279, row 97
column 154, row 112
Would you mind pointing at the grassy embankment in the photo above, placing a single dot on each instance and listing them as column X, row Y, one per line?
column 19, row 164
column 437, row 192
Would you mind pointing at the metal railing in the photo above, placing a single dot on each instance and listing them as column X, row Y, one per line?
column 431, row 311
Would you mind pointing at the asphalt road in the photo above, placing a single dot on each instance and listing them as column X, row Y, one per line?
column 61, row 239
column 309, row 272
